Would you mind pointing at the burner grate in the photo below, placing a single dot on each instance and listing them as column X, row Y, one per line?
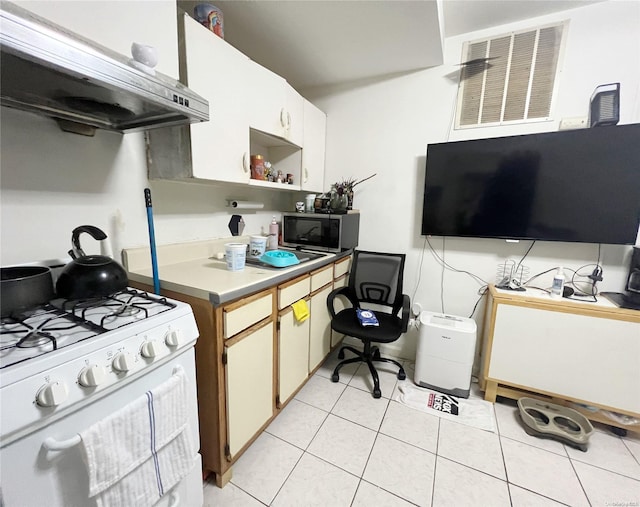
column 62, row 323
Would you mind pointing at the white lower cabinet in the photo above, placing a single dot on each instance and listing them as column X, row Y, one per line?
column 340, row 303
column 249, row 381
column 293, row 354
column 252, row 356
column 319, row 328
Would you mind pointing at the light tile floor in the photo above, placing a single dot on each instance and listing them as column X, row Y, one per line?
column 335, row 445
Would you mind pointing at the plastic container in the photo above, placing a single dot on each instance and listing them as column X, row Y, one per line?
column 280, row 258
column 272, row 241
column 309, row 202
column 257, row 245
column 235, row 254
column 557, row 285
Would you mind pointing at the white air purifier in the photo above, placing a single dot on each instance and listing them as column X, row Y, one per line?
column 444, row 357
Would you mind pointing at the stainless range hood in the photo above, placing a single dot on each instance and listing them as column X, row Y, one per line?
column 48, row 70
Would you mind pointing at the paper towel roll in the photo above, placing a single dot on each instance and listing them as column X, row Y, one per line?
column 246, row 204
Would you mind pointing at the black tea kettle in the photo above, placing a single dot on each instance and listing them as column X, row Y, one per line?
column 90, row 276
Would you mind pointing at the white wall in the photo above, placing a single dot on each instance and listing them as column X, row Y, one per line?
column 384, row 127
column 52, row 181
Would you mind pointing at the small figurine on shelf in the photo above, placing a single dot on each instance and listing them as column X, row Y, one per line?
column 268, row 171
column 280, row 177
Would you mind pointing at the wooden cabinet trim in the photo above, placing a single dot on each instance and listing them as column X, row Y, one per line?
column 330, row 284
column 230, row 342
column 229, row 307
column 566, row 306
column 293, row 281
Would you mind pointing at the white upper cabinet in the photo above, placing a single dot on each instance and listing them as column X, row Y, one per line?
column 313, row 151
column 276, row 108
column 252, row 112
column 218, row 72
column 293, row 114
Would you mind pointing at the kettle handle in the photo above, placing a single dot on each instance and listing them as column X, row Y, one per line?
column 94, row 232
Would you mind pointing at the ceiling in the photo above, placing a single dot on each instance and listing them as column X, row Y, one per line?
column 314, row 43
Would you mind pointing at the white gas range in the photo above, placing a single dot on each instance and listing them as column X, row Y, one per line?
column 66, row 365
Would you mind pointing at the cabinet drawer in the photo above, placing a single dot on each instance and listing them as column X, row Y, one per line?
column 321, row 278
column 241, row 315
column 290, row 292
column 341, row 267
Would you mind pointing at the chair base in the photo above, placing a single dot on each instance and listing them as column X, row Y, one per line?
column 368, row 355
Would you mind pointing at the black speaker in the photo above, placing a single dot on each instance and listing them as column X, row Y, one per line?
column 633, row 280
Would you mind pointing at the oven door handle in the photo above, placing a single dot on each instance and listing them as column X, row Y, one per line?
column 51, row 444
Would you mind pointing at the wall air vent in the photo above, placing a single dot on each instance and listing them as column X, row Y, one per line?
column 510, row 78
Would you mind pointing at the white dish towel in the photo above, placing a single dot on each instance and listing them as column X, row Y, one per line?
column 136, row 455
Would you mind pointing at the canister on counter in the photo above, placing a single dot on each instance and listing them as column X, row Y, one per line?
column 309, row 201
column 211, row 17
column 257, row 167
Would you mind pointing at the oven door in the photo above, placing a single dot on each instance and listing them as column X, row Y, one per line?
column 33, row 475
column 314, row 231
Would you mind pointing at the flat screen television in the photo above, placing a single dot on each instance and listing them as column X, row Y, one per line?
column 575, row 185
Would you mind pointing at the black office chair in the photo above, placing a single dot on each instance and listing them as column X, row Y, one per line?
column 375, row 278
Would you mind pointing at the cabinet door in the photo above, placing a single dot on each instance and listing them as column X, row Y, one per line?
column 249, row 374
column 583, row 357
column 268, row 112
column 319, row 328
column 294, row 131
column 293, row 354
column 340, row 303
column 218, row 72
column 313, row 151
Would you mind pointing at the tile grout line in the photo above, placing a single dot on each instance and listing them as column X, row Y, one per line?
column 435, row 462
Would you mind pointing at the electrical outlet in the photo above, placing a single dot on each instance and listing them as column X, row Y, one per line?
column 579, row 122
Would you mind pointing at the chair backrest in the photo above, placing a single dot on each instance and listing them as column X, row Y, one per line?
column 376, row 277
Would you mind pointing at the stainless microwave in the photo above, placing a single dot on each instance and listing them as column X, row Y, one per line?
column 320, row 231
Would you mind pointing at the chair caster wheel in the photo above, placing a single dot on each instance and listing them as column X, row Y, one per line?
column 335, row 377
column 341, row 354
column 377, row 393
column 402, row 375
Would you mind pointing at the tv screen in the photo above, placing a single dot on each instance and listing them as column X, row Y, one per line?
column 575, row 185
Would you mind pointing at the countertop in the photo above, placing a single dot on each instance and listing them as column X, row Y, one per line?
column 191, row 268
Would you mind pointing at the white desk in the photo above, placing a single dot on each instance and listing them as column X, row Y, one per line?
column 563, row 350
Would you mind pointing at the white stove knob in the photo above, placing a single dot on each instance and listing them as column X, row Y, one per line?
column 174, row 338
column 92, row 376
column 122, row 362
column 150, row 349
column 52, row 394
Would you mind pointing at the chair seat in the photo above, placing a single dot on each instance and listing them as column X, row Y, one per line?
column 388, row 330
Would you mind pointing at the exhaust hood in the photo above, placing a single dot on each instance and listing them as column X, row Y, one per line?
column 49, row 70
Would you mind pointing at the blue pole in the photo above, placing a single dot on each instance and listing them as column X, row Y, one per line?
column 152, row 241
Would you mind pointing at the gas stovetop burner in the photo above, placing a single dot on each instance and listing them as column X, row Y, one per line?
column 64, row 322
column 37, row 339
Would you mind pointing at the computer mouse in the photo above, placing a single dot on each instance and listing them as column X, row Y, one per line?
column 567, row 292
